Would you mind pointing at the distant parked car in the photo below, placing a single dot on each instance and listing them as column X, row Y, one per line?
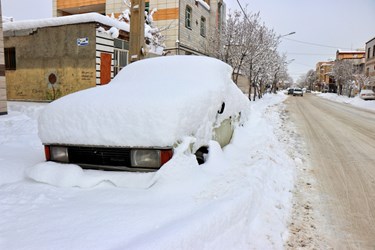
column 152, row 106
column 290, row 91
column 297, row 91
column 367, row 94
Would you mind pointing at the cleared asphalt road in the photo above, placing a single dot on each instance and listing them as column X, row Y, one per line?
column 340, row 140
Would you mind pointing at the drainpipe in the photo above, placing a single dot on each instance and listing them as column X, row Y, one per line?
column 179, row 27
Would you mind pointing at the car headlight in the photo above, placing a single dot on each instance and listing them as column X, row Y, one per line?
column 150, row 157
column 59, row 154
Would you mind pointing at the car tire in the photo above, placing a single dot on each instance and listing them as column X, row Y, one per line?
column 200, row 154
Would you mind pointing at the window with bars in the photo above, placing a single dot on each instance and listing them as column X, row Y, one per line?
column 120, row 60
column 120, row 55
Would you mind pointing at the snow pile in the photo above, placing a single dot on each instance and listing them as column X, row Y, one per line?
column 153, row 102
column 65, row 20
column 19, row 141
column 355, row 101
column 238, row 199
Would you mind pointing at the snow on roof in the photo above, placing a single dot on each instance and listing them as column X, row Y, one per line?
column 65, row 20
column 204, row 4
column 351, row 51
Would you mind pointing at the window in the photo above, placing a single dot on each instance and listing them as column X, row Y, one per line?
column 203, row 26
column 10, row 58
column 120, row 60
column 120, row 55
column 368, row 53
column 147, row 7
column 188, row 17
column 373, row 51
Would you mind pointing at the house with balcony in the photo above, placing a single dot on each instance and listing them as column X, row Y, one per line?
column 325, row 80
column 356, row 57
column 185, row 24
column 49, row 58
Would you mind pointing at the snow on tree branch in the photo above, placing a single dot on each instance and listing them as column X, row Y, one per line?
column 154, row 40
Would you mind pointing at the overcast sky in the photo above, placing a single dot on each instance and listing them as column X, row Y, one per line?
column 334, row 24
column 27, row 9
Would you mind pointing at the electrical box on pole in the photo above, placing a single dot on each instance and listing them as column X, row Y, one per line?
column 137, row 30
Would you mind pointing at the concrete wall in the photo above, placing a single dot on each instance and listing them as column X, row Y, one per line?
column 45, row 52
column 3, row 97
column 370, row 59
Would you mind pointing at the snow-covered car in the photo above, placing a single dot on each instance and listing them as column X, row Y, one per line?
column 151, row 107
column 367, row 94
column 290, row 91
column 297, row 91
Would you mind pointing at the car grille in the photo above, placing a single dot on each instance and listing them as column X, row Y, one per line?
column 99, row 156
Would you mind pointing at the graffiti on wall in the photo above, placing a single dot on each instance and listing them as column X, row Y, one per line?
column 87, row 76
column 53, row 92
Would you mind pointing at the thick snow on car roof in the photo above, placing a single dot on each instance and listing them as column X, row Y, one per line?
column 152, row 102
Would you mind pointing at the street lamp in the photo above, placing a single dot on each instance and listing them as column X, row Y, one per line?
column 291, row 33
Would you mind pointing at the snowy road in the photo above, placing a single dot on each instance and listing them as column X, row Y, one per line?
column 341, row 142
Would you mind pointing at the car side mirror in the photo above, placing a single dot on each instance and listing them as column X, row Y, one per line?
column 222, row 108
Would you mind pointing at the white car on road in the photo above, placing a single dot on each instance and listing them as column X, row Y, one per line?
column 297, row 91
column 367, row 94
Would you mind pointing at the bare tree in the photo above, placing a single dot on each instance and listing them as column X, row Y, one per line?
column 343, row 72
column 311, row 78
column 250, row 48
column 362, row 80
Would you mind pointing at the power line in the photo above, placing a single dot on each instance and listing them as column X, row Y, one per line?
column 243, row 11
column 308, row 54
column 315, row 44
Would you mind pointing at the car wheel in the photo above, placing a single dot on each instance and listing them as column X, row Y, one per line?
column 200, row 154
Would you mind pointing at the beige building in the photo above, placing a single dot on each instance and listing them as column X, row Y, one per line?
column 50, row 58
column 185, row 24
column 357, row 58
column 3, row 97
column 325, row 81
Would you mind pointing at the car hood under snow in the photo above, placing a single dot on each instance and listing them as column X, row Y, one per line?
column 152, row 102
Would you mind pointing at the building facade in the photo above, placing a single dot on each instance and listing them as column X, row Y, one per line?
column 185, row 24
column 357, row 58
column 3, row 96
column 325, row 80
column 370, row 60
column 47, row 59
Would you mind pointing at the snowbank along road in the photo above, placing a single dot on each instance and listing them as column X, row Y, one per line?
column 340, row 140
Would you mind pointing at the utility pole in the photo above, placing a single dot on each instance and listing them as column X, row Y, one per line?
column 137, row 30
